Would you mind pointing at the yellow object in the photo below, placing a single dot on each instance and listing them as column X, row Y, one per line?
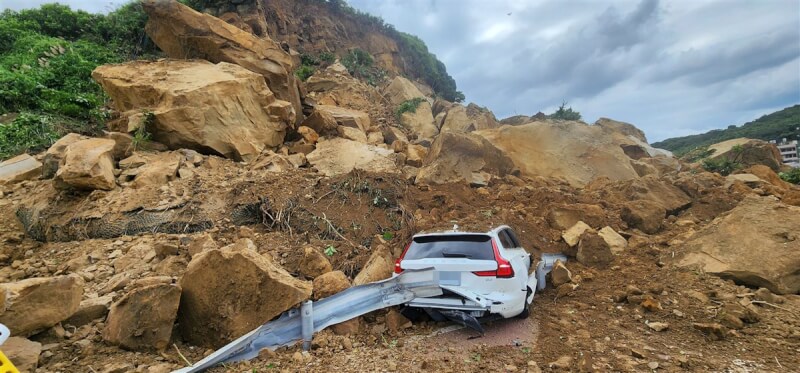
column 6, row 366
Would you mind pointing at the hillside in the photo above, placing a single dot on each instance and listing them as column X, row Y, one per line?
column 46, row 61
column 223, row 178
column 775, row 126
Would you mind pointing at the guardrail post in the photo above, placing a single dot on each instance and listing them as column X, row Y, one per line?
column 307, row 320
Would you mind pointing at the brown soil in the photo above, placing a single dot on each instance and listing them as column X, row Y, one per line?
column 350, row 212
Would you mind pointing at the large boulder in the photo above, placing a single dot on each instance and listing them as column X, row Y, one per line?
column 748, row 152
column 644, row 215
column 755, row 244
column 231, row 291
column 143, row 318
column 467, row 119
column 346, row 117
column 456, row 157
column 339, row 156
column 87, row 165
column 182, row 32
column 35, row 304
column 576, row 152
column 219, row 109
column 54, row 155
column 594, row 250
column 420, row 121
column 401, row 90
column 21, row 167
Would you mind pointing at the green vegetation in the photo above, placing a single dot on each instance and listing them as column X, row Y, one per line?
column 565, row 113
column 360, row 64
column 330, row 250
column 725, row 165
column 409, row 106
column 776, row 126
column 46, row 59
column 792, row 176
column 309, row 64
column 420, row 63
column 141, row 136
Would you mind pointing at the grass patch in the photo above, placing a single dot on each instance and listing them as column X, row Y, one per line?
column 408, row 106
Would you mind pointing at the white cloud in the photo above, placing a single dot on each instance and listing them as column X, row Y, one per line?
column 671, row 67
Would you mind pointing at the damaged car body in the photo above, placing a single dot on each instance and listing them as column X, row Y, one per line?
column 465, row 277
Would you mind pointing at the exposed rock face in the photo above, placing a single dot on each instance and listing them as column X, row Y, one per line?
column 229, row 292
column 455, row 157
column 574, row 151
column 184, row 33
column 339, row 156
column 468, row 119
column 23, row 353
column 38, row 303
column 400, row 90
column 379, row 266
column 755, row 244
column 219, row 109
column 143, row 318
column 21, row 167
column 87, row 165
column 748, row 152
column 420, row 121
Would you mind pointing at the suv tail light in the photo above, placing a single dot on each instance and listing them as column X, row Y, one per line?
column 397, row 268
column 504, row 269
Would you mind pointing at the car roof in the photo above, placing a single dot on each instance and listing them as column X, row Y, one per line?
column 455, row 231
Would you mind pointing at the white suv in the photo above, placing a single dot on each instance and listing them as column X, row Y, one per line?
column 481, row 274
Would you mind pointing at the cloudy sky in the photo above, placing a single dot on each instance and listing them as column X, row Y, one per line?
column 671, row 67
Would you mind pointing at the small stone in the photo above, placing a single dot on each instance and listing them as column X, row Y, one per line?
column 510, row 368
column 563, row 362
column 713, row 330
column 560, row 274
column 297, row 357
column 658, row 326
column 392, row 366
column 652, row 365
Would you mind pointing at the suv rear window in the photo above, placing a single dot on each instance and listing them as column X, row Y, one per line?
column 470, row 246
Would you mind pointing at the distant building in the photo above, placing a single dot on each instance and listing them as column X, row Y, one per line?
column 789, row 153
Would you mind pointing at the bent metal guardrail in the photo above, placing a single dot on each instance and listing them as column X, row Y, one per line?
column 301, row 324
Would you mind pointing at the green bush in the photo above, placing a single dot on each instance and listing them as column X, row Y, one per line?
column 408, row 106
column 792, row 176
column 359, row 64
column 304, row 72
column 27, row 132
column 47, row 56
column 565, row 113
column 722, row 166
column 327, row 58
